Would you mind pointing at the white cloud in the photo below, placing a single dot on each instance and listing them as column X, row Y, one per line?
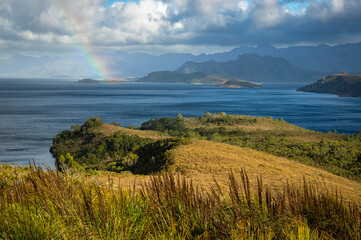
column 50, row 19
column 267, row 13
column 337, row 5
column 44, row 37
column 171, row 22
column 243, row 5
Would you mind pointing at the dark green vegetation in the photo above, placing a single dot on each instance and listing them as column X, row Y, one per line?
column 254, row 68
column 38, row 204
column 197, row 78
column 84, row 148
column 174, row 126
column 344, row 85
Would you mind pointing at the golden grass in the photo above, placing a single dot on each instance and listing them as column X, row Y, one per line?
column 263, row 125
column 109, row 129
column 203, row 160
column 123, row 181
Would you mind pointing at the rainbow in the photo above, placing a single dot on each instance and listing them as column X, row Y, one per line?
column 86, row 49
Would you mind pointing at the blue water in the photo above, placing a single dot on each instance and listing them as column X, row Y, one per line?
column 32, row 112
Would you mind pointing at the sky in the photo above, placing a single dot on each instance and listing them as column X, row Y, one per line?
column 59, row 27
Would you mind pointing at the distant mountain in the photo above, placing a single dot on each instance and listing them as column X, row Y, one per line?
column 344, row 85
column 254, row 68
column 197, row 78
column 322, row 58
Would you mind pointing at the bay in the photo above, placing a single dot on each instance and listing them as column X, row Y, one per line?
column 33, row 111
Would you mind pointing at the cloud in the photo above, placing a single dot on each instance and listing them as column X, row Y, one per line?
column 66, row 23
column 337, row 5
column 267, row 13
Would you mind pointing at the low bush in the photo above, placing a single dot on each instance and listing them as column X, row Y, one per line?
column 174, row 126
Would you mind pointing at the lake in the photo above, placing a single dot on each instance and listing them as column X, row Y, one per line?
column 32, row 112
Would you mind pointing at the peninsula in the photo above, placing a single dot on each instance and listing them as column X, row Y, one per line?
column 342, row 84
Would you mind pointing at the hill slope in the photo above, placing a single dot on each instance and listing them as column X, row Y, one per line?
column 254, row 68
column 204, row 160
column 210, row 146
column 344, row 85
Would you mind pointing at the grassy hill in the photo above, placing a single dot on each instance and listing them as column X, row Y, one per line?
column 204, row 161
column 222, row 143
column 114, row 148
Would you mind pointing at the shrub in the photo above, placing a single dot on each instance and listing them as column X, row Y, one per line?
column 174, row 126
column 114, row 123
column 208, row 114
column 154, row 157
column 67, row 163
column 90, row 124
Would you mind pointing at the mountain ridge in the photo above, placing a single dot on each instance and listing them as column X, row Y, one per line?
column 323, row 58
column 252, row 67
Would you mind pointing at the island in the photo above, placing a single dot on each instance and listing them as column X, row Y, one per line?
column 90, row 80
column 342, row 84
column 198, row 78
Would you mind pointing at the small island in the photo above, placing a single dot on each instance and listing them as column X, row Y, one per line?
column 90, row 80
column 342, row 84
column 198, row 78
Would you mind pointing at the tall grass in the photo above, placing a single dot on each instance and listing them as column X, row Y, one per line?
column 50, row 205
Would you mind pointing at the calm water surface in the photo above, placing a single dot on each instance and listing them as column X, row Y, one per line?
column 32, row 112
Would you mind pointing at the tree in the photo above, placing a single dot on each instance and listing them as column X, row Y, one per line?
column 208, row 114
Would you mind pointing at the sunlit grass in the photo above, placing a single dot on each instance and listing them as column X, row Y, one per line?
column 50, row 205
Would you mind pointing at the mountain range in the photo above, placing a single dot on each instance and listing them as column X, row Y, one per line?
column 321, row 58
column 254, row 68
